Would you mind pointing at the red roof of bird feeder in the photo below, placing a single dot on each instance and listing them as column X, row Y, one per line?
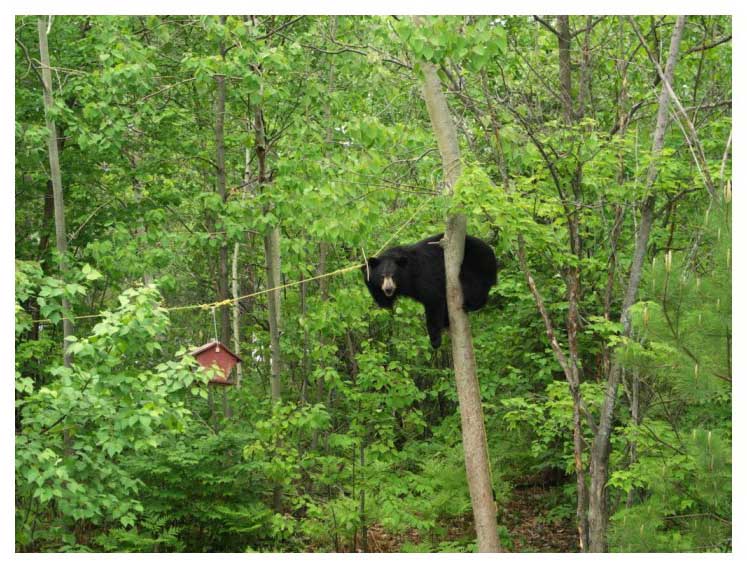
column 215, row 353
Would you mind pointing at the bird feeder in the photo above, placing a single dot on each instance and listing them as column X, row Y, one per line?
column 217, row 358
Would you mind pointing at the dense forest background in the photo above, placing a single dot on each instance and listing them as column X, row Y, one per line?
column 209, row 159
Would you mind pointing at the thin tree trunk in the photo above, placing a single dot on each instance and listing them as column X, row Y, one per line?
column 304, row 346
column 236, row 308
column 688, row 129
column 600, row 449
column 236, row 311
column 635, row 414
column 564, row 66
column 56, row 176
column 272, row 266
column 584, row 82
column 572, row 379
column 573, row 273
column 362, row 503
column 141, row 229
column 220, row 163
column 470, row 404
column 44, row 231
column 323, row 246
column 272, row 263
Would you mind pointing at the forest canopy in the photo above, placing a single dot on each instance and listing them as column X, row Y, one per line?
column 184, row 179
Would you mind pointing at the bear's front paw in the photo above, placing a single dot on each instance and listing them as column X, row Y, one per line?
column 436, row 342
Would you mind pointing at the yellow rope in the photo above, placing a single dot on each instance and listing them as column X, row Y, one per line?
column 259, row 293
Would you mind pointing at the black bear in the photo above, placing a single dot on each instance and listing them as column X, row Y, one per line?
column 417, row 271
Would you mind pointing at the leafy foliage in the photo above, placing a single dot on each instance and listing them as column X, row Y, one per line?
column 130, row 448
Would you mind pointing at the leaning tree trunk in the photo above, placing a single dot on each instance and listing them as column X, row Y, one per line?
column 54, row 168
column 476, row 458
column 600, row 448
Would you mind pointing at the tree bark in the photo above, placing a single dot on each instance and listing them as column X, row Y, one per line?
column 236, row 312
column 137, row 186
column 573, row 273
column 272, row 260
column 220, row 163
column 272, row 267
column 324, row 246
column 582, row 494
column 236, row 308
column 564, row 67
column 688, row 129
column 56, row 176
column 600, row 449
column 272, row 263
column 474, row 439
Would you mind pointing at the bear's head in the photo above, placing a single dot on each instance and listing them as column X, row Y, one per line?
column 385, row 277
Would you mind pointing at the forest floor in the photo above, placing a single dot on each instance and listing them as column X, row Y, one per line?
column 527, row 516
column 530, row 526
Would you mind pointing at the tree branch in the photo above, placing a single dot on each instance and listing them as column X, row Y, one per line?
column 708, row 46
column 545, row 24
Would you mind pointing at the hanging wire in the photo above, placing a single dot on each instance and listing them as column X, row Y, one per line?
column 213, row 305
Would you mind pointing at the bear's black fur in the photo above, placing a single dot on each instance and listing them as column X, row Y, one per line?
column 417, row 271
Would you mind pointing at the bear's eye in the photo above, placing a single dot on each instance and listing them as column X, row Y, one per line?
column 401, row 261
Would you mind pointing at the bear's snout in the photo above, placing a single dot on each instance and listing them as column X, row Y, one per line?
column 388, row 286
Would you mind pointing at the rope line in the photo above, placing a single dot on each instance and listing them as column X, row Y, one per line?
column 228, row 301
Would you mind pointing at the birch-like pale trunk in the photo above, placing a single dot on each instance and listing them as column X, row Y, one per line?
column 236, row 308
column 56, row 176
column 474, row 439
column 600, row 448
column 236, row 312
column 688, row 128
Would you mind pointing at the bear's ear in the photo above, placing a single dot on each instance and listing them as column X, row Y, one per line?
column 372, row 262
column 401, row 261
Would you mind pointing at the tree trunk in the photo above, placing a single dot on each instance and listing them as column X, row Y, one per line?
column 220, row 163
column 474, row 439
column 564, row 67
column 235, row 288
column 573, row 278
column 236, row 312
column 324, row 246
column 362, row 503
column 600, row 448
column 582, row 495
column 44, row 232
column 54, row 168
column 272, row 260
column 272, row 264
column 141, row 231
